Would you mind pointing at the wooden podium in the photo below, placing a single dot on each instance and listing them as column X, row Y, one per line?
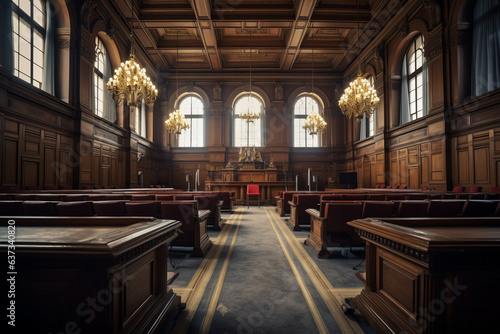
column 91, row 275
column 430, row 275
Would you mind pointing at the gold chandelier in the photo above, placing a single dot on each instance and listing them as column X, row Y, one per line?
column 130, row 81
column 249, row 115
column 176, row 122
column 358, row 99
column 314, row 122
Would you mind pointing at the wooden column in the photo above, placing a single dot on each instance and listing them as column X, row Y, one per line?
column 149, row 121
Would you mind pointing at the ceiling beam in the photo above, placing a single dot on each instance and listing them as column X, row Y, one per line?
column 303, row 15
column 206, row 31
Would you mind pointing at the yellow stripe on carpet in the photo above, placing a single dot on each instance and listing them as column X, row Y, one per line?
column 207, row 320
column 323, row 286
column 303, row 287
column 201, row 278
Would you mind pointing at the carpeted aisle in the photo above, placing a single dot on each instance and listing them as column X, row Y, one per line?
column 259, row 278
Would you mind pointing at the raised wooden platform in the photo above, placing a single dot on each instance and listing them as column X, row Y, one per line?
column 430, row 275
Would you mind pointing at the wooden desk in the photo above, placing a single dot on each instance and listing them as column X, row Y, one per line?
column 97, row 275
column 431, row 275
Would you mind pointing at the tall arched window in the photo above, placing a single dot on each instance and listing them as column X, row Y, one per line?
column 247, row 134
column 104, row 105
column 367, row 126
column 29, row 30
column 304, row 106
column 191, row 106
column 414, row 82
column 485, row 70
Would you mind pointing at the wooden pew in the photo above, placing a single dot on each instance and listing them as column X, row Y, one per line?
column 298, row 207
column 90, row 275
column 194, row 224
column 211, row 202
column 430, row 275
column 331, row 227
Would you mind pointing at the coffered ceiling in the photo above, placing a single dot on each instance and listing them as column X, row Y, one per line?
column 229, row 36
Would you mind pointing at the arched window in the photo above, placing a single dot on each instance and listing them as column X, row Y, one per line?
column 247, row 134
column 485, row 70
column 104, row 105
column 305, row 105
column 367, row 126
column 29, row 31
column 414, row 82
column 191, row 106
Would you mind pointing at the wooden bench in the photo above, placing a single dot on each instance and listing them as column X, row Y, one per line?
column 298, row 207
column 331, row 227
column 194, row 224
column 91, row 275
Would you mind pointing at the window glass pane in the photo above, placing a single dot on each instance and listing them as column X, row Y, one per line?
column 419, row 80
column 38, row 40
column 37, row 73
column 25, row 6
column 25, row 65
column 39, row 17
column 25, row 30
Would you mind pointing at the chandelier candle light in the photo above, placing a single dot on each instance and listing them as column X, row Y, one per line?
column 314, row 122
column 176, row 122
column 359, row 98
column 130, row 81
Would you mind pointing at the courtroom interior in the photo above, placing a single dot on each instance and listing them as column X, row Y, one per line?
column 299, row 166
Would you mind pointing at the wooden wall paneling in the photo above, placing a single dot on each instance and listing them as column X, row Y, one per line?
column 481, row 165
column 380, row 168
column 424, row 170
column 96, row 164
column 49, row 166
column 413, row 178
column 30, row 172
column 86, row 162
column 437, row 162
column 403, row 173
column 10, row 163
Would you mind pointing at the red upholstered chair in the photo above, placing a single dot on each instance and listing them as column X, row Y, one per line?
column 476, row 189
column 253, row 191
column 110, row 208
column 495, row 190
column 459, row 189
column 75, row 209
column 402, row 187
column 388, row 187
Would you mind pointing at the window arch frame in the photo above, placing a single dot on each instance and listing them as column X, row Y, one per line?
column 190, row 117
column 299, row 117
column 239, row 141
